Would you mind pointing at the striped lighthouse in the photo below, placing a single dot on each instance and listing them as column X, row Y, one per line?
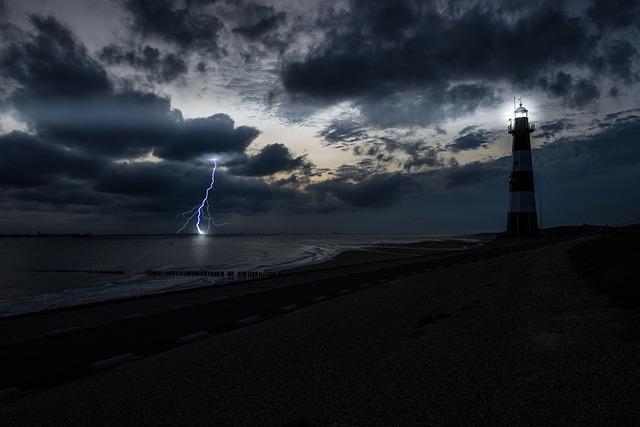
column 522, row 220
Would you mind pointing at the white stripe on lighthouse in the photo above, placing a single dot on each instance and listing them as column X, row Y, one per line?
column 522, row 201
column 522, row 160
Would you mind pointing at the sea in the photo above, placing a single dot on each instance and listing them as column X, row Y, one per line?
column 41, row 273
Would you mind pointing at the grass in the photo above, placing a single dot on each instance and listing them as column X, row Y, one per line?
column 612, row 263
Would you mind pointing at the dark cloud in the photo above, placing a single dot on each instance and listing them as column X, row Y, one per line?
column 426, row 106
column 420, row 154
column 409, row 50
column 63, row 182
column 61, row 194
column 597, row 153
column 357, row 172
column 343, row 132
column 131, row 124
column 210, row 135
column 161, row 190
column 425, row 158
column 51, row 64
column 171, row 67
column 619, row 120
column 72, row 161
column 202, row 67
column 583, row 92
column 265, row 19
column 406, row 149
column 466, row 98
column 559, row 85
column 27, row 161
column 375, row 191
column 620, row 59
column 576, row 93
column 624, row 114
column 549, row 130
column 145, row 179
column 614, row 13
column 160, row 68
column 65, row 97
column 168, row 188
column 250, row 195
column 471, row 138
column 184, row 25
column 399, row 63
column 271, row 159
column 474, row 174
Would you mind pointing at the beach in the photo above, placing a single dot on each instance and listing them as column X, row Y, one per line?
column 49, row 271
column 507, row 335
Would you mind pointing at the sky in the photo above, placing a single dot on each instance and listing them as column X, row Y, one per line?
column 324, row 116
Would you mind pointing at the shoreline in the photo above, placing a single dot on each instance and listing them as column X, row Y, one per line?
column 387, row 251
column 342, row 258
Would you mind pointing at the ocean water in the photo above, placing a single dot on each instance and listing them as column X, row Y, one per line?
column 28, row 282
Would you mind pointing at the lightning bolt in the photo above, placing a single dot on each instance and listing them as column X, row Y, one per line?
column 202, row 211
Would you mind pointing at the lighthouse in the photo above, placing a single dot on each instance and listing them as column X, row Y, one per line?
column 522, row 220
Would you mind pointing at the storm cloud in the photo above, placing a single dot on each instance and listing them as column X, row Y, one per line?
column 66, row 97
column 614, row 13
column 385, row 49
column 472, row 138
column 171, row 21
column 346, row 109
column 271, row 159
column 375, row 191
column 159, row 67
column 27, row 161
column 575, row 93
column 263, row 20
column 81, row 134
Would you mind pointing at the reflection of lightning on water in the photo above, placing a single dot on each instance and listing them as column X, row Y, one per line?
column 201, row 211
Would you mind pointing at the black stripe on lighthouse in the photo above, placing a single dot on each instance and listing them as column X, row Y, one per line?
column 521, row 181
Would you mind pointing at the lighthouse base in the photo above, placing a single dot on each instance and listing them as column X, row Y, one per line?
column 522, row 224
